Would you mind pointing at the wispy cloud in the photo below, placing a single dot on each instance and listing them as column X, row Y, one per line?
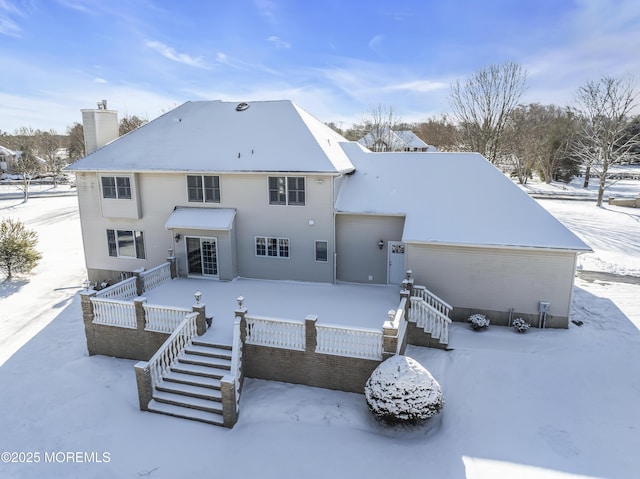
column 170, row 53
column 83, row 6
column 419, row 86
column 256, row 68
column 267, row 8
column 7, row 25
column 375, row 42
column 102, row 81
column 278, row 43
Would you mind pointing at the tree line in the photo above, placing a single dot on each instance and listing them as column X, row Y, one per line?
column 598, row 129
column 46, row 153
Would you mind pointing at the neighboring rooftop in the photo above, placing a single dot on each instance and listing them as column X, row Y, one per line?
column 394, row 140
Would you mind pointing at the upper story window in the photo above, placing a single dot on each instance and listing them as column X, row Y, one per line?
column 203, row 188
column 116, row 187
column 286, row 190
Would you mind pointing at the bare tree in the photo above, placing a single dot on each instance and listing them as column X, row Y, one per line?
column 482, row 104
column 379, row 123
column 537, row 137
column 603, row 139
column 27, row 165
column 129, row 123
column 47, row 146
column 439, row 132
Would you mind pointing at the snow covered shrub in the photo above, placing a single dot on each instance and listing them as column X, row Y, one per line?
column 520, row 325
column 401, row 390
column 478, row 321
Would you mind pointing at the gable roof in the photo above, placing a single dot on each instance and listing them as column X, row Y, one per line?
column 6, row 152
column 213, row 136
column 396, row 140
column 450, row 198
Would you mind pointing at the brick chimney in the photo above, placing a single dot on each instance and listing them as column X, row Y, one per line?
column 100, row 126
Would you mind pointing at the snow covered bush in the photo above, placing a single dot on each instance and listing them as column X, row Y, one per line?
column 478, row 321
column 520, row 325
column 401, row 390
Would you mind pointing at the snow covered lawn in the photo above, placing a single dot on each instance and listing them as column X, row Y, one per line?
column 544, row 404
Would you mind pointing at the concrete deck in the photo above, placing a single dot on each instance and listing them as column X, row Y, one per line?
column 344, row 304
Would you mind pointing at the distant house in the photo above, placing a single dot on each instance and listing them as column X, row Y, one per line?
column 6, row 158
column 385, row 140
column 266, row 190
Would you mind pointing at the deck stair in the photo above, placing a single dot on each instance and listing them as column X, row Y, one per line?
column 191, row 388
column 431, row 314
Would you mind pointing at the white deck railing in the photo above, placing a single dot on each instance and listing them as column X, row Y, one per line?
column 345, row 341
column 432, row 300
column 174, row 346
column 236, row 359
column 399, row 323
column 430, row 319
column 124, row 290
column 114, row 312
column 163, row 319
column 155, row 276
column 275, row 333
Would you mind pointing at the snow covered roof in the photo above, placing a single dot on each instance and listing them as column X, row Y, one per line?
column 220, row 219
column 410, row 139
column 219, row 136
column 6, row 151
column 394, row 140
column 450, row 198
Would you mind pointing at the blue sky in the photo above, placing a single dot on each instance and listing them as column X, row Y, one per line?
column 335, row 58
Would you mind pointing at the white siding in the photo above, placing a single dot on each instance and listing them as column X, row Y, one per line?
column 359, row 259
column 160, row 193
column 495, row 279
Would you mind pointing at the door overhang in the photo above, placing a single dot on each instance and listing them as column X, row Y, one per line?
column 215, row 219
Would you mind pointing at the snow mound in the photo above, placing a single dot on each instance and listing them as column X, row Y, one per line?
column 402, row 390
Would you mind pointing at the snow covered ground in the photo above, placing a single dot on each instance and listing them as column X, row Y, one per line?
column 546, row 404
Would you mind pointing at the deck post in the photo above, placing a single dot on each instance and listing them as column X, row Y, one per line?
column 139, row 281
column 241, row 313
column 138, row 304
column 310, row 333
column 201, row 320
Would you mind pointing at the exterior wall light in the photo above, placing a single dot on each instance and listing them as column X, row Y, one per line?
column 380, row 244
column 177, row 237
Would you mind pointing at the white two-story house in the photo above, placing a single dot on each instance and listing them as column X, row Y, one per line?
column 266, row 190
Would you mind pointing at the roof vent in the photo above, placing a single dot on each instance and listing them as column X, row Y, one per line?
column 242, row 106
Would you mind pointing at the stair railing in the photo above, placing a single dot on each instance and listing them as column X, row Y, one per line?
column 430, row 319
column 174, row 346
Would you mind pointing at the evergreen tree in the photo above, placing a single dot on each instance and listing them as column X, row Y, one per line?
column 17, row 248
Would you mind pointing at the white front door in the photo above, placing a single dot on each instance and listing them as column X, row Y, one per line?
column 396, row 262
column 202, row 256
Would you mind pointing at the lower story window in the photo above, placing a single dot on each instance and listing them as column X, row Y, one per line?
column 126, row 243
column 274, row 247
column 322, row 248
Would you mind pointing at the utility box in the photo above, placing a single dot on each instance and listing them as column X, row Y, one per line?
column 544, row 306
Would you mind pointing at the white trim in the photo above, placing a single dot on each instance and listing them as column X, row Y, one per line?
column 499, row 246
column 186, row 255
column 286, row 181
column 204, row 201
column 315, row 251
column 266, row 247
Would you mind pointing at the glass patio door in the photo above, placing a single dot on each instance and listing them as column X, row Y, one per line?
column 202, row 256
